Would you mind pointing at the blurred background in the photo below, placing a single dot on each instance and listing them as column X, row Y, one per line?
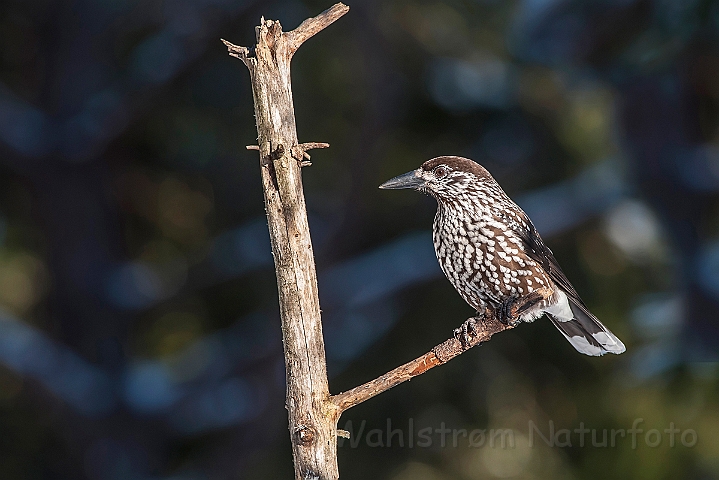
column 139, row 329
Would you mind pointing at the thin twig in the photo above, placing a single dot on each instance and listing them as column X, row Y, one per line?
column 300, row 152
column 313, row 145
column 236, row 50
column 442, row 353
column 314, row 25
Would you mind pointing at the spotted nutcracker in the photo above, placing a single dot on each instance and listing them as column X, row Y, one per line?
column 491, row 253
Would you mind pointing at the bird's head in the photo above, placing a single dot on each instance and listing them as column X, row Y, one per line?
column 442, row 177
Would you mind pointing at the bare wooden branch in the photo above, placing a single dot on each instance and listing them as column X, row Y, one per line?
column 313, row 26
column 442, row 353
column 300, row 152
column 312, row 417
column 313, row 145
column 236, row 51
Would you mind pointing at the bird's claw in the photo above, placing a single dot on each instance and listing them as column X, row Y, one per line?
column 465, row 333
column 504, row 313
column 519, row 305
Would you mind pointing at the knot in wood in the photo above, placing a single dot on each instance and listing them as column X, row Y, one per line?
column 305, row 435
column 278, row 152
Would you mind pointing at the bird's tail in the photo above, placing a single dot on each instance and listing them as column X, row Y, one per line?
column 586, row 333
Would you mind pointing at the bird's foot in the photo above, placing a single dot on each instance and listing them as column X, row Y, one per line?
column 504, row 312
column 468, row 330
column 529, row 301
column 511, row 310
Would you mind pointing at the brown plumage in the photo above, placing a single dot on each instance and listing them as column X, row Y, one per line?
column 491, row 253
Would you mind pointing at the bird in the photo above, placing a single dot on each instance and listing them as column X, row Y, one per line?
column 492, row 254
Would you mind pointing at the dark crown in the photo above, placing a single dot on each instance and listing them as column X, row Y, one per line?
column 458, row 164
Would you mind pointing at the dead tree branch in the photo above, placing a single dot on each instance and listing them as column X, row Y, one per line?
column 442, row 353
column 313, row 26
column 312, row 417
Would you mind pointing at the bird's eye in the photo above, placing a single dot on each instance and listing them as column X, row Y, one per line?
column 440, row 172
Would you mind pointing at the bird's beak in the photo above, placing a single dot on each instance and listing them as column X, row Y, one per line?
column 411, row 179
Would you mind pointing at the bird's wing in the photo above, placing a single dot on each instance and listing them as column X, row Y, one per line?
column 540, row 253
column 584, row 330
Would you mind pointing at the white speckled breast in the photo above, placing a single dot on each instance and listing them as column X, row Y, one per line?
column 479, row 251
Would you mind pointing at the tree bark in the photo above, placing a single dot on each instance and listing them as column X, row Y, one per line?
column 312, row 417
